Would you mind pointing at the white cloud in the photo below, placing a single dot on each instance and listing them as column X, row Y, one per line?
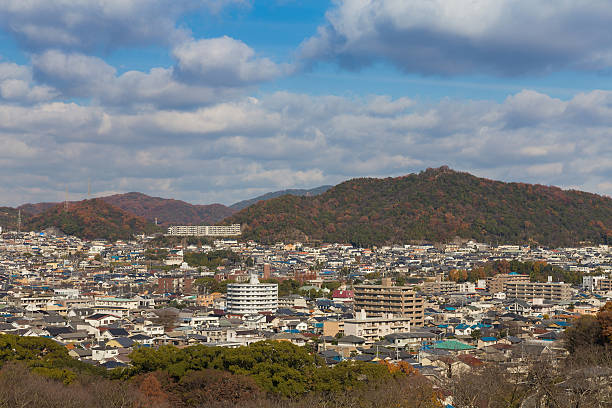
column 223, row 61
column 206, row 72
column 506, row 37
column 226, row 151
column 89, row 25
column 17, row 85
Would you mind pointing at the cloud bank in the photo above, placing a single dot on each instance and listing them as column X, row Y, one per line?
column 232, row 150
column 453, row 37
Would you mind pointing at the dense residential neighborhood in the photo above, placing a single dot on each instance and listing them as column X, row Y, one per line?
column 101, row 300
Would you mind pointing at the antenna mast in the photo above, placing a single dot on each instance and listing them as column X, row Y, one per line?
column 88, row 188
column 66, row 200
column 19, row 220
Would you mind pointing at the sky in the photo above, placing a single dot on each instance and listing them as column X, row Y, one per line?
column 223, row 100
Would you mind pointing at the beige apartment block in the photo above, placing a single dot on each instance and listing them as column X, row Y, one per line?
column 380, row 300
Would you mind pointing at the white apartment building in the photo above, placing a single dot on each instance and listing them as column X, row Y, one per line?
column 252, row 297
column 205, row 230
column 373, row 329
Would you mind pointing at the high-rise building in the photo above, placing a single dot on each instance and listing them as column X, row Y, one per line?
column 252, row 297
column 385, row 299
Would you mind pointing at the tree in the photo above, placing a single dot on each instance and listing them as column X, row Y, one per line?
column 585, row 331
column 604, row 317
column 151, row 392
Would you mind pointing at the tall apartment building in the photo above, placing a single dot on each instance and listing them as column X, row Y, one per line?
column 496, row 283
column 381, row 300
column 555, row 291
column 205, row 230
column 252, row 297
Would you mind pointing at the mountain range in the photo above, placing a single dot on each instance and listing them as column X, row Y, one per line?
column 109, row 212
column 436, row 205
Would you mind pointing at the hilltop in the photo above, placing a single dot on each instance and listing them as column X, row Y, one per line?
column 90, row 219
column 169, row 211
column 435, row 205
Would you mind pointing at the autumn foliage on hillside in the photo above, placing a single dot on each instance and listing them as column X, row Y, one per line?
column 436, row 205
column 91, row 219
column 169, row 211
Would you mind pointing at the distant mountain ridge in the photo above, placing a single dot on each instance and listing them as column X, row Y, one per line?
column 295, row 192
column 435, row 205
column 102, row 217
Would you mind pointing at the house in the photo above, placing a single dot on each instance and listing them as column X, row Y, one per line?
column 153, row 330
column 411, row 340
column 121, row 342
column 100, row 319
column 486, row 341
column 101, row 353
column 351, row 341
column 295, row 338
column 452, row 346
column 111, row 333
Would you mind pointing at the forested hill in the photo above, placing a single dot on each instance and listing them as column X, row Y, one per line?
column 169, row 211
column 435, row 205
column 91, row 219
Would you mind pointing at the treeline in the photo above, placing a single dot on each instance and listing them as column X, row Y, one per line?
column 212, row 259
column 538, row 272
column 288, row 287
column 436, row 205
column 39, row 372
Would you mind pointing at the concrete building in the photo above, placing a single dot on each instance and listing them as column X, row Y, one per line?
column 379, row 300
column 440, row 287
column 175, row 284
column 252, row 297
column 205, row 230
column 374, row 328
column 554, row 291
column 496, row 283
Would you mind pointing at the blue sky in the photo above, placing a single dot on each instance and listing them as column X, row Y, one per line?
column 221, row 100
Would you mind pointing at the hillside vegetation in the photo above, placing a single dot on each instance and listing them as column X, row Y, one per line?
column 91, row 219
column 436, row 205
column 169, row 211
